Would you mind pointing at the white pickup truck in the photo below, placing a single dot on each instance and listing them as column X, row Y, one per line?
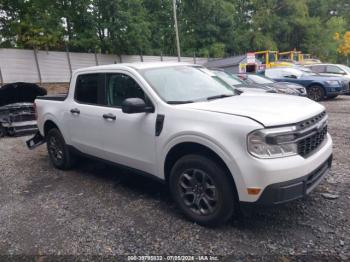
column 213, row 146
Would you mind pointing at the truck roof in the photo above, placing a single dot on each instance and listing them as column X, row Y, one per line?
column 137, row 66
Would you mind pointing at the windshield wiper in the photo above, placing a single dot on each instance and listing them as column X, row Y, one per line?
column 180, row 102
column 218, row 96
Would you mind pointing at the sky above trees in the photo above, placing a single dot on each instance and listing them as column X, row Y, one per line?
column 207, row 27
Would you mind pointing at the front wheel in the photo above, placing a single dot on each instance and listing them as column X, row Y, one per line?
column 202, row 190
column 315, row 93
column 59, row 153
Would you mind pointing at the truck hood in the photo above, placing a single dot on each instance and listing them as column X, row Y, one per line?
column 267, row 109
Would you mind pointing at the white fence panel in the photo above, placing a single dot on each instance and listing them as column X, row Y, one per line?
column 130, row 58
column 150, row 58
column 81, row 60
column 170, row 58
column 104, row 59
column 201, row 60
column 18, row 65
column 187, row 60
column 54, row 67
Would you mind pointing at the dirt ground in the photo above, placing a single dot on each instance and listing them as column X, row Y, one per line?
column 96, row 209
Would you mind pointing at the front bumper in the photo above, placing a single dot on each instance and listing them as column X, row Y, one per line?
column 262, row 173
column 287, row 191
column 338, row 90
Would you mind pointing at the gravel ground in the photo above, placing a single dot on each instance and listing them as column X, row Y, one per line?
column 100, row 210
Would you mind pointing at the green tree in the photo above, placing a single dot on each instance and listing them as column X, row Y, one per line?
column 29, row 25
column 121, row 26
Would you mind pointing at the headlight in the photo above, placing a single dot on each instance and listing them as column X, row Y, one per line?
column 289, row 91
column 302, row 90
column 333, row 83
column 272, row 143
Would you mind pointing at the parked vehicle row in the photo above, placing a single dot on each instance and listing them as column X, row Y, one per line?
column 280, row 87
column 318, row 86
column 215, row 147
column 299, row 81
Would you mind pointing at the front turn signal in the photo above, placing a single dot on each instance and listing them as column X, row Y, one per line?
column 253, row 190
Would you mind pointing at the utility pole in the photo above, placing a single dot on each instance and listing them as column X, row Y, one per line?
column 177, row 32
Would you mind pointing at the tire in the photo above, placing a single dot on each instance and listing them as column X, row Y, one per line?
column 315, row 93
column 11, row 131
column 209, row 204
column 2, row 131
column 58, row 151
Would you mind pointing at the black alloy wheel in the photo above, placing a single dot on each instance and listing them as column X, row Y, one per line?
column 203, row 190
column 55, row 149
column 198, row 191
column 315, row 93
column 59, row 153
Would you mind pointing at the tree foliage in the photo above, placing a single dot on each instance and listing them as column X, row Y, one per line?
column 207, row 28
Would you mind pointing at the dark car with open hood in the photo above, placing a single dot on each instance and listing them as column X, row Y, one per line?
column 17, row 112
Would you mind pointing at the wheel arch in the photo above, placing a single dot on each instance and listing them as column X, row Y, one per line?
column 48, row 125
column 186, row 148
column 316, row 84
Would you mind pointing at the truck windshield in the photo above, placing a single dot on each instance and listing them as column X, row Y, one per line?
column 186, row 84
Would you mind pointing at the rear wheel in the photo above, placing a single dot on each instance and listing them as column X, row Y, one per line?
column 2, row 131
column 202, row 190
column 59, row 153
column 11, row 131
column 315, row 93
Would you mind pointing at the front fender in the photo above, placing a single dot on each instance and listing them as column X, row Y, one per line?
column 206, row 141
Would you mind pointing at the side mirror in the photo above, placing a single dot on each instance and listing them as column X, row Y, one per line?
column 136, row 105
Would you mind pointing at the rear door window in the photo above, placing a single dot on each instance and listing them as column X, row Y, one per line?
column 318, row 69
column 89, row 89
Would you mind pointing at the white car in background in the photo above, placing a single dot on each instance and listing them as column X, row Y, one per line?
column 331, row 70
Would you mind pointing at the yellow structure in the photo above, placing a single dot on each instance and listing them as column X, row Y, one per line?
column 263, row 59
column 296, row 56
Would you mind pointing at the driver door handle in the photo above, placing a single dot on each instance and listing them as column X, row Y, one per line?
column 109, row 116
column 75, row 111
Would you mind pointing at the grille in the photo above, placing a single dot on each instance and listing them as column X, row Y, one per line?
column 307, row 145
column 311, row 121
column 310, row 136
